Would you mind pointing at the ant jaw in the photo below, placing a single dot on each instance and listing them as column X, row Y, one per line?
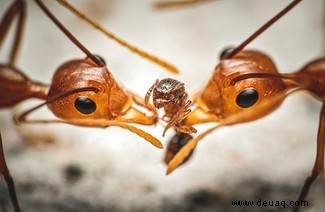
column 160, row 103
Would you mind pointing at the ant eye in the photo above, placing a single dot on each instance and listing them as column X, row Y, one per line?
column 100, row 58
column 225, row 52
column 247, row 98
column 179, row 94
column 85, row 105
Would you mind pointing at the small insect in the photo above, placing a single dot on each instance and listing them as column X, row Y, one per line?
column 170, row 94
column 83, row 92
column 246, row 86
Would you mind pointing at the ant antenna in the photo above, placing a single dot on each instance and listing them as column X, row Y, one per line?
column 262, row 29
column 261, row 75
column 69, row 35
column 169, row 4
column 132, row 48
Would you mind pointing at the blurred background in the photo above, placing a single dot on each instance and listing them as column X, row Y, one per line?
column 59, row 167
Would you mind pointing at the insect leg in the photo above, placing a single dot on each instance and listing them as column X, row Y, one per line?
column 319, row 162
column 9, row 180
column 147, row 97
column 178, row 117
column 18, row 8
column 139, row 101
column 135, row 116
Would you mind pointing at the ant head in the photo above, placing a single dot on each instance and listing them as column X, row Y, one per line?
column 78, row 74
column 224, row 98
column 167, row 92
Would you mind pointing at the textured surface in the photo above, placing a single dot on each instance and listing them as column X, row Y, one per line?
column 67, row 168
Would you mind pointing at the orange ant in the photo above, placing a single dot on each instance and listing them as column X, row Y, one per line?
column 246, row 86
column 83, row 92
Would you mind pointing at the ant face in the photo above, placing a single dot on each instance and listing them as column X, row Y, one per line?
column 108, row 102
column 168, row 92
column 227, row 99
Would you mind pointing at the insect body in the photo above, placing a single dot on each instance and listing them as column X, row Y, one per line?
column 83, row 92
column 246, row 86
column 170, row 94
column 220, row 99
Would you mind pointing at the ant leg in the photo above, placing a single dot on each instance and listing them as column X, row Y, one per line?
column 319, row 162
column 146, row 99
column 133, row 115
column 137, row 117
column 18, row 8
column 15, row 86
column 9, row 181
column 139, row 101
column 181, row 127
column 178, row 117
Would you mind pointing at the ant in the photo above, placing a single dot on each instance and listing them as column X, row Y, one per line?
column 246, row 86
column 83, row 92
column 171, row 95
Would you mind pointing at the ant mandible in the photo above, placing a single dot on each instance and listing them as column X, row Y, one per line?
column 246, row 86
column 83, row 92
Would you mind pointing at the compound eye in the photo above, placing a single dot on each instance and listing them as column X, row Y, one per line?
column 225, row 52
column 85, row 105
column 179, row 94
column 247, row 98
